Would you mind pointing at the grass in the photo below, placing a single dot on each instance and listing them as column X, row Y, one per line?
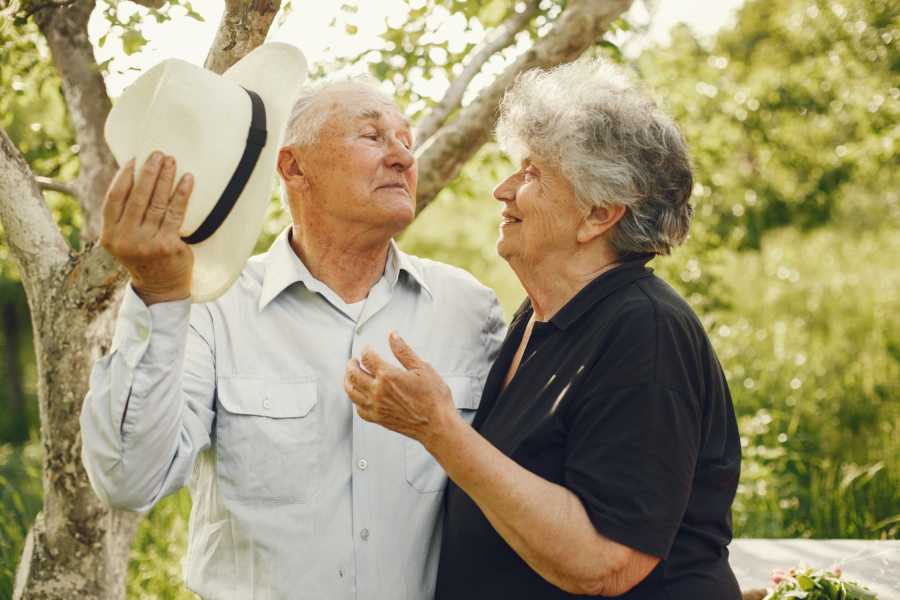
column 20, row 501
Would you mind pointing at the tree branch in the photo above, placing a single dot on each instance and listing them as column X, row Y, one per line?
column 33, row 7
column 503, row 36
column 244, row 27
column 36, row 245
column 150, row 3
column 45, row 183
column 65, row 28
column 576, row 29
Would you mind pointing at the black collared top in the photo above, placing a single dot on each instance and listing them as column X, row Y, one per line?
column 621, row 399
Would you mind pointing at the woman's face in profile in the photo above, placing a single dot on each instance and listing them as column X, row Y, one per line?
column 540, row 216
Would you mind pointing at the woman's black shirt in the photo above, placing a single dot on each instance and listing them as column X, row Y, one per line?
column 621, row 399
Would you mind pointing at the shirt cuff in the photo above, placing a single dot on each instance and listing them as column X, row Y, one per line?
column 136, row 322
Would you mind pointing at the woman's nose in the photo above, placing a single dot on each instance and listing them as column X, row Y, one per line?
column 505, row 191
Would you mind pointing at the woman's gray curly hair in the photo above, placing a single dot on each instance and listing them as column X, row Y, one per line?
column 611, row 142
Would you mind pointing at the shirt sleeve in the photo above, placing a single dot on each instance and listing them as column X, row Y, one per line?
column 149, row 408
column 631, row 452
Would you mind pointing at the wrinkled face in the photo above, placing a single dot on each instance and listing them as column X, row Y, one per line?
column 540, row 217
column 362, row 169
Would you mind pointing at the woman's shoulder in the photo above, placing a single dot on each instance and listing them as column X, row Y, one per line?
column 653, row 300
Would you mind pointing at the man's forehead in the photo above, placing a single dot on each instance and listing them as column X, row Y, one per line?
column 376, row 113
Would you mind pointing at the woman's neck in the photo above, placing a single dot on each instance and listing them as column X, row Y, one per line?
column 552, row 283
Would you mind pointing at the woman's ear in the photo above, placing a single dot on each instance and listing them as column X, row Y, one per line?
column 291, row 170
column 599, row 221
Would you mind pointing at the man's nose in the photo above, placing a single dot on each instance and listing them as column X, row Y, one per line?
column 400, row 157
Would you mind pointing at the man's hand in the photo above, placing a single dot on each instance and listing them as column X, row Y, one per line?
column 414, row 401
column 140, row 228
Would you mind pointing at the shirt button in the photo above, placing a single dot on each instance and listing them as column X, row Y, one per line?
column 364, row 534
column 266, row 404
column 143, row 331
column 363, row 463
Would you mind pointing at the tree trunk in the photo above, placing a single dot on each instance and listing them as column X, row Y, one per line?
column 77, row 546
column 12, row 331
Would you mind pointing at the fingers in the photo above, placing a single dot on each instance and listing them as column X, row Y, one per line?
column 162, row 193
column 358, row 385
column 117, row 193
column 143, row 190
column 177, row 207
column 373, row 363
column 357, row 380
column 403, row 352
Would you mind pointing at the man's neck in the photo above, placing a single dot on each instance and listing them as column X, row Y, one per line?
column 349, row 265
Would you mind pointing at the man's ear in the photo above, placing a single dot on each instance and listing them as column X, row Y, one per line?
column 599, row 221
column 290, row 167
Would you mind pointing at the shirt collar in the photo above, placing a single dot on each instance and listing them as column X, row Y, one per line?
column 601, row 287
column 284, row 268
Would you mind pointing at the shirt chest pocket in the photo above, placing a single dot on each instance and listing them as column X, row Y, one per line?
column 423, row 472
column 268, row 439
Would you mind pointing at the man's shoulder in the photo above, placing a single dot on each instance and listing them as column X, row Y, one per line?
column 446, row 277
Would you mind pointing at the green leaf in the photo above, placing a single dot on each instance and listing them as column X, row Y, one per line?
column 192, row 13
column 133, row 41
column 806, row 583
column 858, row 592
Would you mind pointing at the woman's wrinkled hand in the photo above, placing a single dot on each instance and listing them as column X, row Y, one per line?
column 412, row 400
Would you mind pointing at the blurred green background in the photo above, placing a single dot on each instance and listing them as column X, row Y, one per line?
column 793, row 118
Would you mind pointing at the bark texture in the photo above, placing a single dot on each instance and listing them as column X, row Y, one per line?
column 576, row 29
column 244, row 26
column 77, row 547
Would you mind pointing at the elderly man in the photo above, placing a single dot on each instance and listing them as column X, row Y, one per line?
column 294, row 496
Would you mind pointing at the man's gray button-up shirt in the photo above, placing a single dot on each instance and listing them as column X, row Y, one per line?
column 294, row 496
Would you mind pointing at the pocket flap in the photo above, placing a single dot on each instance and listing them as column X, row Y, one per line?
column 466, row 393
column 273, row 399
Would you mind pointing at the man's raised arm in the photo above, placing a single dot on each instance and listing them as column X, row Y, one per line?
column 149, row 409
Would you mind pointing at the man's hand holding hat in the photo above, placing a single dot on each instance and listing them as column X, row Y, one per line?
column 141, row 219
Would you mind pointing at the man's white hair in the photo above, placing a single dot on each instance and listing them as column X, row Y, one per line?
column 611, row 142
column 307, row 118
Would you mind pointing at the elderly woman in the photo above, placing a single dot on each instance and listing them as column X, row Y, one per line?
column 604, row 457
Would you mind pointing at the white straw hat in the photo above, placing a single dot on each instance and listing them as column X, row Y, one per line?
column 204, row 121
